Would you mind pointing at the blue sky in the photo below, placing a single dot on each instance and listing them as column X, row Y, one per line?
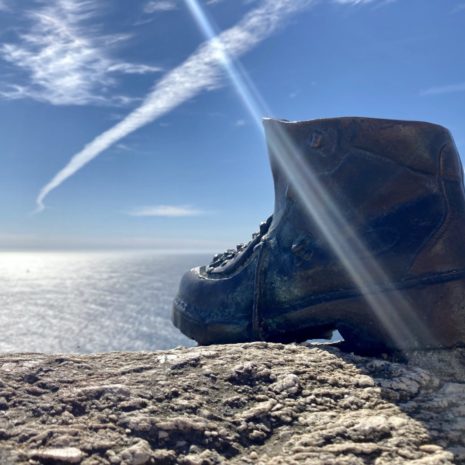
column 121, row 126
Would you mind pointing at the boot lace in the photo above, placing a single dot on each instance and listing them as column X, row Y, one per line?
column 222, row 259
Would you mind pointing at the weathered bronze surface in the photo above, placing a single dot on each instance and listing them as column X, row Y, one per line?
column 367, row 237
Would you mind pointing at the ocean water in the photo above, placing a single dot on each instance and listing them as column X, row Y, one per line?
column 90, row 302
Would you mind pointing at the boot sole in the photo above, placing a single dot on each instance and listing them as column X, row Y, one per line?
column 208, row 333
column 432, row 317
column 224, row 333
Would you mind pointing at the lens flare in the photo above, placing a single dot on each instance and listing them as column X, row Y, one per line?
column 242, row 84
column 392, row 310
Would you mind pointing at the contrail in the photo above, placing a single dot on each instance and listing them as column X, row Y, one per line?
column 201, row 71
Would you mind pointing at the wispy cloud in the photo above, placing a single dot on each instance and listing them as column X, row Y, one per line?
column 64, row 60
column 215, row 2
column 202, row 70
column 124, row 147
column 4, row 6
column 447, row 89
column 154, row 6
column 160, row 5
column 132, row 68
column 458, row 8
column 364, row 2
column 353, row 2
column 166, row 211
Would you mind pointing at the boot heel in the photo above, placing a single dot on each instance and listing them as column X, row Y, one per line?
column 431, row 316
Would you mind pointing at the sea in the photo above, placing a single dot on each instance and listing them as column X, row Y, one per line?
column 88, row 302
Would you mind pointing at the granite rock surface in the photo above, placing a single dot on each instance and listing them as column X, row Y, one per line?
column 254, row 403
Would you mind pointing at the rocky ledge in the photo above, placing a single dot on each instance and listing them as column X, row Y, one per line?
column 241, row 404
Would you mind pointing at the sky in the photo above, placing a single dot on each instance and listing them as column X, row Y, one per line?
column 136, row 124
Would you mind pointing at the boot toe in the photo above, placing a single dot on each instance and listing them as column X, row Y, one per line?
column 214, row 310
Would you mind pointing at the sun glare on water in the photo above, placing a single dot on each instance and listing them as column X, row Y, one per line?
column 89, row 302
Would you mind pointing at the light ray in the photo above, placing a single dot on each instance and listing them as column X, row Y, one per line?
column 392, row 311
column 232, row 68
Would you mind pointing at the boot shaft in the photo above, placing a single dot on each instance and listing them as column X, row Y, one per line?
column 362, row 162
column 396, row 187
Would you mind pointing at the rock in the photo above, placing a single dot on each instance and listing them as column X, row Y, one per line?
column 95, row 392
column 288, row 383
column 164, row 457
column 267, row 404
column 258, row 410
column 138, row 454
column 65, row 455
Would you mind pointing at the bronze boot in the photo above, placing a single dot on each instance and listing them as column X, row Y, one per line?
column 367, row 237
